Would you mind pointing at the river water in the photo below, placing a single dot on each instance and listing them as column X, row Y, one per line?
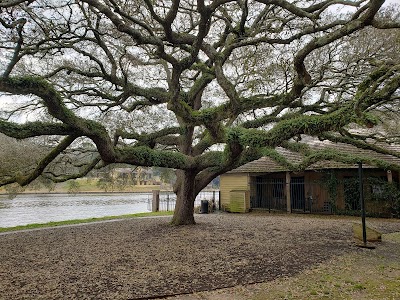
column 43, row 208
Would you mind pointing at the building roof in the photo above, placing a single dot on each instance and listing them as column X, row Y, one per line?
column 268, row 165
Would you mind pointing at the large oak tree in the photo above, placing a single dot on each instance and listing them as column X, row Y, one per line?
column 198, row 86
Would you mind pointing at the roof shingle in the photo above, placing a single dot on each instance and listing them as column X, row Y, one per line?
column 268, row 165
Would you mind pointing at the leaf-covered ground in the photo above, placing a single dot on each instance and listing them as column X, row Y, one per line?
column 147, row 258
column 361, row 275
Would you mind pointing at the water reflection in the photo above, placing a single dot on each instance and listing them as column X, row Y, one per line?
column 40, row 208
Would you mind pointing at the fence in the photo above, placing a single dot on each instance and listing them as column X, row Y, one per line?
column 339, row 197
column 168, row 200
column 272, row 195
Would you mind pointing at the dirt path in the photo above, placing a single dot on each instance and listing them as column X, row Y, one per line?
column 147, row 258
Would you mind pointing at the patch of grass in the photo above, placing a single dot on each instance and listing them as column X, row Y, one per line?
column 313, row 293
column 81, row 221
column 392, row 237
column 359, row 286
column 371, row 274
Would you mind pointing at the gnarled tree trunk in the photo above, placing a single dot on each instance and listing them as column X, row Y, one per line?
column 186, row 195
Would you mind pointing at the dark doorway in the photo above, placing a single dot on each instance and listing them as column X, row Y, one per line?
column 260, row 193
column 270, row 193
column 297, row 193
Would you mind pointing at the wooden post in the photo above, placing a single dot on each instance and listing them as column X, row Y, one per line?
column 288, row 198
column 167, row 201
column 214, row 207
column 219, row 199
column 155, row 205
column 389, row 176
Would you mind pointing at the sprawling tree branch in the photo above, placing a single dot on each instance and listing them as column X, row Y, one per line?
column 201, row 87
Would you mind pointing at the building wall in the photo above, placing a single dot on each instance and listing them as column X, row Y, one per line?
column 316, row 189
column 233, row 182
column 316, row 193
column 341, row 175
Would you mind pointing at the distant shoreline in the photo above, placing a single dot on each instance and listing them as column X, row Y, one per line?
column 90, row 186
column 94, row 192
column 84, row 192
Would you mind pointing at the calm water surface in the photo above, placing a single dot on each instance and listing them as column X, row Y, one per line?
column 42, row 208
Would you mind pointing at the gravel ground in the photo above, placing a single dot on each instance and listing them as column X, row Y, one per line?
column 147, row 258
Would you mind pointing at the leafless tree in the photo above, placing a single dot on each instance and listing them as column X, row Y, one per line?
column 198, row 86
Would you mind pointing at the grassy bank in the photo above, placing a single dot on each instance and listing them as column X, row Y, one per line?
column 81, row 221
column 371, row 274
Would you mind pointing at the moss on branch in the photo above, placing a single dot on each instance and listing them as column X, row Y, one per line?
column 145, row 156
column 53, row 100
column 32, row 129
column 209, row 159
column 286, row 129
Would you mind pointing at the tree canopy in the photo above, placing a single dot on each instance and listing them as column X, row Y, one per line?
column 198, row 86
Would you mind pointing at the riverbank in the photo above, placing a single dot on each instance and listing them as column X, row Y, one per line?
column 35, row 226
column 147, row 258
column 42, row 208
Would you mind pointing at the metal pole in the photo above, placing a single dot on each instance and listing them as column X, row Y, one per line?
column 362, row 202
